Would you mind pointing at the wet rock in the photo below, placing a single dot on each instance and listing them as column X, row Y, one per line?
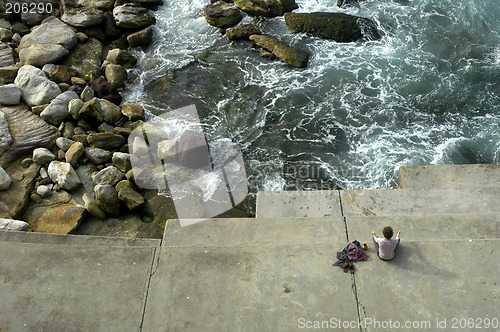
column 13, row 225
column 293, row 56
column 107, row 141
column 42, row 156
column 221, row 15
column 336, row 26
column 116, row 75
column 121, row 57
column 105, row 90
column 132, row 16
column 132, row 199
column 74, row 153
column 85, row 58
column 36, row 88
column 64, row 175
column 82, row 17
column 58, row 214
column 97, row 156
column 5, row 180
column 242, row 31
column 111, row 113
column 267, row 8
column 57, row 111
column 92, row 207
column 27, row 130
column 107, row 199
column 10, row 94
column 110, row 175
column 133, row 111
column 140, row 38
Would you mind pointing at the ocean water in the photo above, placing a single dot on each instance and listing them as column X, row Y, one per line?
column 428, row 92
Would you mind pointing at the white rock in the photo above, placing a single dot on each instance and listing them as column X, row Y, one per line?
column 43, row 191
column 36, row 88
column 13, row 225
column 64, row 175
column 10, row 94
column 5, row 180
column 42, row 156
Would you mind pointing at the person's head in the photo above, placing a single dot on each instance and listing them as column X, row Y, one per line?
column 388, row 232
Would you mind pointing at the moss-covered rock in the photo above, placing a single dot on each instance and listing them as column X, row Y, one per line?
column 267, row 8
column 85, row 57
column 243, row 31
column 290, row 55
column 221, row 15
column 337, row 26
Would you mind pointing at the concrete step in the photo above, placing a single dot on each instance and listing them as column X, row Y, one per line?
column 380, row 202
column 75, row 240
column 449, row 176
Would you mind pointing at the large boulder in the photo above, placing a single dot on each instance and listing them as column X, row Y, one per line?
column 10, row 94
column 36, row 88
column 28, row 131
column 133, row 16
column 243, row 31
column 268, row 8
column 222, row 15
column 57, row 111
column 5, row 137
column 85, row 57
column 293, row 56
column 58, row 214
column 48, row 43
column 82, row 17
column 64, row 175
column 337, row 26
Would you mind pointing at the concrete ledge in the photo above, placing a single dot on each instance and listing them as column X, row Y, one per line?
column 75, row 240
column 449, row 176
column 390, row 202
column 284, row 204
column 255, row 231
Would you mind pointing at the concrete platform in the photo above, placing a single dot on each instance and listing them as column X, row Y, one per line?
column 380, row 202
column 449, row 176
column 271, row 274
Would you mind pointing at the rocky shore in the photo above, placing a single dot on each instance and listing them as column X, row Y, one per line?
column 64, row 159
column 227, row 15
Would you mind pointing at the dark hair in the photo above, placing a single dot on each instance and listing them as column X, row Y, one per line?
column 388, row 232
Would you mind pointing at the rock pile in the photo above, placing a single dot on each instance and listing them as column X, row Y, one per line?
column 337, row 26
column 63, row 132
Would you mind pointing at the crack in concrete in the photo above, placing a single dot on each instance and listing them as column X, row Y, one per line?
column 155, row 262
column 353, row 277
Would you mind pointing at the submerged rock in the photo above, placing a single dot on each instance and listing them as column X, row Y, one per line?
column 268, row 8
column 221, row 14
column 243, row 31
column 337, row 26
column 290, row 55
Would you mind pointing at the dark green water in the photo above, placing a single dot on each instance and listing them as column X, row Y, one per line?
column 428, row 92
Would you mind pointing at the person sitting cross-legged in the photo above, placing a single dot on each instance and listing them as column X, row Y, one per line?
column 386, row 247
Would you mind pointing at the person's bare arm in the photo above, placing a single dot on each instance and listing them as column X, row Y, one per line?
column 373, row 233
column 398, row 233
